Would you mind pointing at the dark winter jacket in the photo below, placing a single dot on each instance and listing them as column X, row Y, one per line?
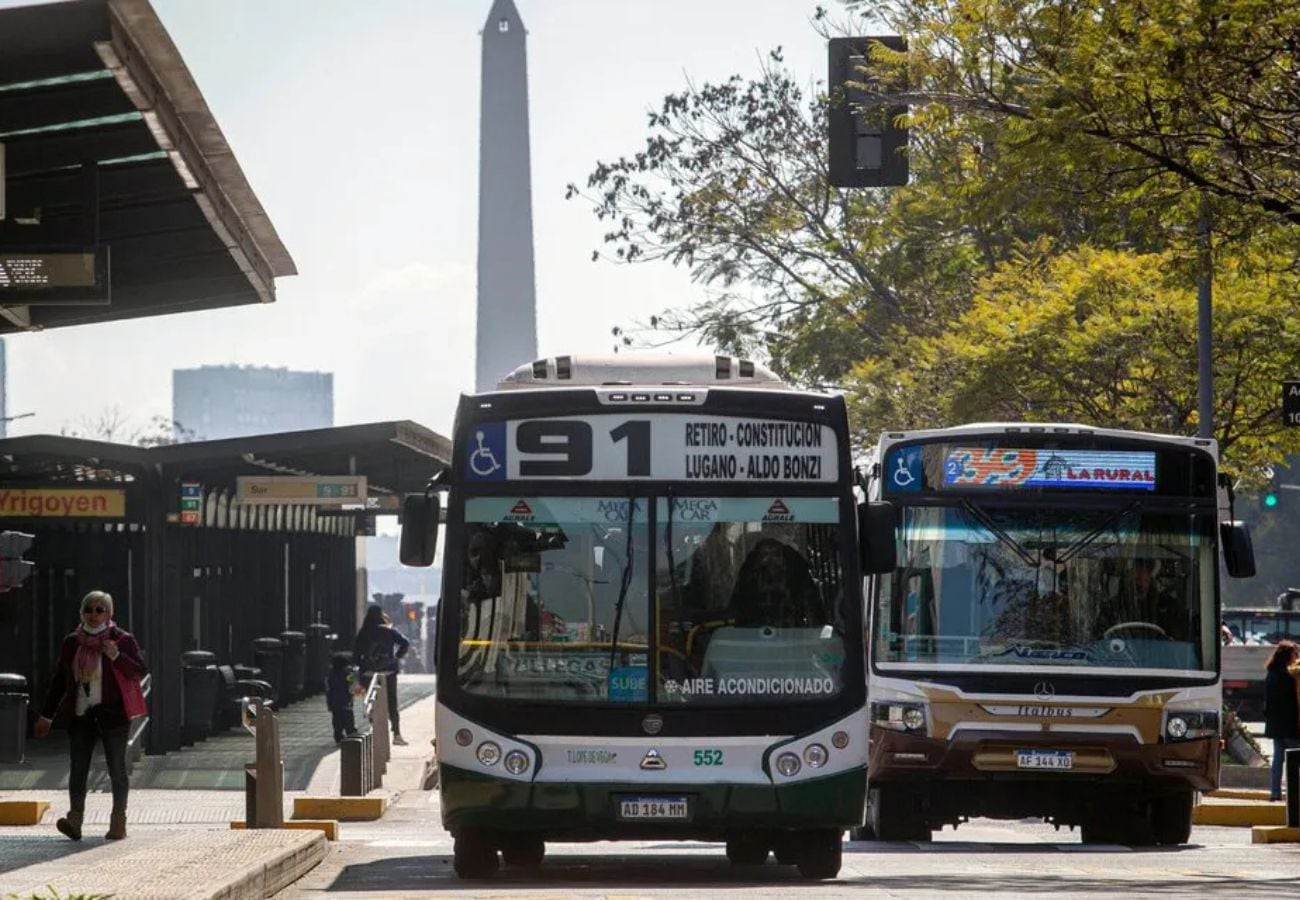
column 1281, row 706
column 379, row 649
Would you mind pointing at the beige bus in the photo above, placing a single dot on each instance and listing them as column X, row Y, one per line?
column 1048, row 643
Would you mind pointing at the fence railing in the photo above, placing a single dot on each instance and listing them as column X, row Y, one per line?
column 139, row 725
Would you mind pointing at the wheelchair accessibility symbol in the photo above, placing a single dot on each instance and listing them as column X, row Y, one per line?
column 487, row 458
column 905, row 472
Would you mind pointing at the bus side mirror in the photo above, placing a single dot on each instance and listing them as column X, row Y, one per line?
column 1238, row 551
column 877, row 545
column 420, row 514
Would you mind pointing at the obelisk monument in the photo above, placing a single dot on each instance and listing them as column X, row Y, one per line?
column 507, row 301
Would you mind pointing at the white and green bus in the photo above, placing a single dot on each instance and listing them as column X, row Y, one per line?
column 651, row 624
column 1047, row 644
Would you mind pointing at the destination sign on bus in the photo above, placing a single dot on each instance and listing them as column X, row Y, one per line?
column 659, row 447
column 1010, row 468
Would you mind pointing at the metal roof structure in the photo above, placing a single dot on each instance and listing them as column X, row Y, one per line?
column 396, row 457
column 108, row 145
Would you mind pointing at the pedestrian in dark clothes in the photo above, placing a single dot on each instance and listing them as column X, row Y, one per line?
column 340, row 686
column 97, row 681
column 379, row 647
column 1281, row 709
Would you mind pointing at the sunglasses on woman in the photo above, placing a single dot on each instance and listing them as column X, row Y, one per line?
column 94, row 609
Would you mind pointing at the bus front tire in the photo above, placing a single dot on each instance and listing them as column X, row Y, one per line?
column 1171, row 818
column 821, row 854
column 747, row 851
column 474, row 857
column 524, row 851
column 892, row 816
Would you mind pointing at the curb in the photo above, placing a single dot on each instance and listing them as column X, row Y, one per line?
column 1239, row 813
column 327, row 827
column 22, row 812
column 341, row 809
column 1263, row 834
column 273, row 876
column 1239, row 794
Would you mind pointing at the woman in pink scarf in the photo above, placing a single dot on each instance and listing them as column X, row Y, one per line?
column 98, row 682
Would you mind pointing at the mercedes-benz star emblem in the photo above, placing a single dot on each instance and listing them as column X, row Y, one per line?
column 653, row 760
column 1044, row 690
column 652, row 724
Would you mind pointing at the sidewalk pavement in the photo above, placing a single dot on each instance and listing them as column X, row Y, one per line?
column 180, row 844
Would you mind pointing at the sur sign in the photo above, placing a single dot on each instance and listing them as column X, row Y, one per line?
column 323, row 490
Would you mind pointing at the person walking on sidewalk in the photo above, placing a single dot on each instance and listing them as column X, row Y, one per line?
column 97, row 680
column 339, row 688
column 379, row 647
column 1281, row 709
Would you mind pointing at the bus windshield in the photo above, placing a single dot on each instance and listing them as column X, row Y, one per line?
column 749, row 596
column 1113, row 587
column 554, row 599
column 748, row 604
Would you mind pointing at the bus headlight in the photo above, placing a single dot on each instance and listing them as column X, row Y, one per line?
column 1190, row 726
column 516, row 762
column 815, row 755
column 464, row 737
column 489, row 753
column 909, row 717
column 788, row 765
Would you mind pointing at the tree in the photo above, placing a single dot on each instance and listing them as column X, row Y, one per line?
column 1103, row 337
column 1160, row 102
column 1028, row 143
column 114, row 426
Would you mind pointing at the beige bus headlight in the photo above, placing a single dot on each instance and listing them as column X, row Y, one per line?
column 1188, row 725
column 908, row 717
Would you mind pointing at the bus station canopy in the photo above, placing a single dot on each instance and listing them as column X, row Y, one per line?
column 396, row 457
column 109, row 154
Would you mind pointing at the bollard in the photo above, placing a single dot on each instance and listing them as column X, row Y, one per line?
column 351, row 767
column 1292, row 764
column 263, row 778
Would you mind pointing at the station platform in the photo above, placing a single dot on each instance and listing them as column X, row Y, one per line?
column 179, row 842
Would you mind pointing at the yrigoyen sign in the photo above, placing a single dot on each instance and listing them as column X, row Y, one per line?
column 323, row 490
column 62, row 503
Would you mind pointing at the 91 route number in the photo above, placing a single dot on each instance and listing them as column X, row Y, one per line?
column 568, row 444
column 708, row 757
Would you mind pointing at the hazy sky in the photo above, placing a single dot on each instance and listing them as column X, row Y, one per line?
column 356, row 121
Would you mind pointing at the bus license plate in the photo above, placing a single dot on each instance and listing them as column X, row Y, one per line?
column 652, row 808
column 1044, row 759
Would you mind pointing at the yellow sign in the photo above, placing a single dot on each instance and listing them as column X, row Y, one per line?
column 62, row 503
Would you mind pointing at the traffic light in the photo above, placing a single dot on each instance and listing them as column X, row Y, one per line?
column 13, row 568
column 1270, row 499
column 867, row 146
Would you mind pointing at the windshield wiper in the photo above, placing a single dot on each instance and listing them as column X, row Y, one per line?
column 987, row 521
column 625, row 584
column 1073, row 550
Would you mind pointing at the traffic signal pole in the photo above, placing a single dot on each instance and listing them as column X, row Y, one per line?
column 1205, row 330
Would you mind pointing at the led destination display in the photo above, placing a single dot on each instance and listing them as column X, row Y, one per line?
column 938, row 467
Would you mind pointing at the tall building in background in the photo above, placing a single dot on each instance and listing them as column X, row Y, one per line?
column 507, row 302
column 214, row 402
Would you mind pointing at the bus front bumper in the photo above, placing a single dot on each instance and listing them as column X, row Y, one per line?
column 591, row 811
column 978, row 773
